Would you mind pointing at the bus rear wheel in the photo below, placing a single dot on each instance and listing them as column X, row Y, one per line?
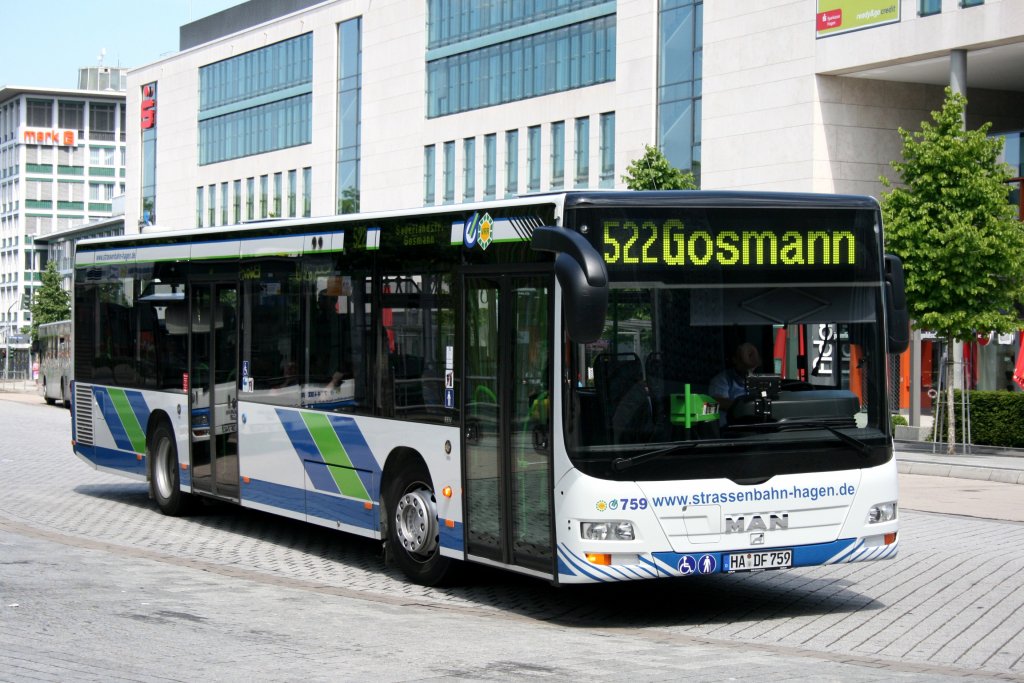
column 413, row 532
column 164, row 476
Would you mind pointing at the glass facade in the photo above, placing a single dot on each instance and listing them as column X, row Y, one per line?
column 256, row 102
column 929, row 7
column 350, row 86
column 549, row 61
column 149, row 163
column 452, row 21
column 680, row 52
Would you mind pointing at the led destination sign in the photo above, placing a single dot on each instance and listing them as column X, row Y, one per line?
column 671, row 243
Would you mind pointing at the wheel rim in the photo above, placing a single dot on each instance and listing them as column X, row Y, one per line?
column 416, row 522
column 163, row 465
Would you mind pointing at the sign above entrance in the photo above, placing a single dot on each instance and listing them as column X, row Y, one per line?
column 843, row 16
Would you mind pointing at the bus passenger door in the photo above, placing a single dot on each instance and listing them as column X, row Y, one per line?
column 213, row 389
column 506, row 420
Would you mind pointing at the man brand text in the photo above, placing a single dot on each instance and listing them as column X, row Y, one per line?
column 735, row 525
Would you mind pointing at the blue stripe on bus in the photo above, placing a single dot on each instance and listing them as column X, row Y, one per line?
column 303, row 443
column 301, row 501
column 452, row 537
column 138, row 403
column 358, row 452
column 110, row 458
column 112, row 419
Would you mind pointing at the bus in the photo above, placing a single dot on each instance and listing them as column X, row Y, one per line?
column 525, row 384
column 54, row 349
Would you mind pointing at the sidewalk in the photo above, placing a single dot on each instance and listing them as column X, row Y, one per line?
column 984, row 463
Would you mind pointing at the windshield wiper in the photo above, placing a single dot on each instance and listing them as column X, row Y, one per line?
column 804, row 425
column 619, row 464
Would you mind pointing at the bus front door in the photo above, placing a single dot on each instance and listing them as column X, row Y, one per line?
column 506, row 425
column 213, row 389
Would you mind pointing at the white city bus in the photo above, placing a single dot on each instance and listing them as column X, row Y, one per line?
column 54, row 348
column 523, row 384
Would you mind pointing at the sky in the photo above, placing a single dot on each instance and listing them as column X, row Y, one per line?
column 46, row 42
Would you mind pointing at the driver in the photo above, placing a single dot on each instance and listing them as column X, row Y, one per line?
column 731, row 383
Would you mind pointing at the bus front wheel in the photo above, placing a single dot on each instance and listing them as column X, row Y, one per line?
column 165, row 479
column 413, row 534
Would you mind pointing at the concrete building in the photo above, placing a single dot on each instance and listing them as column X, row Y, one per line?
column 309, row 108
column 62, row 161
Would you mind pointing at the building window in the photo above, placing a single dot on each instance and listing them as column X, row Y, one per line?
column 452, row 21
column 264, row 195
column 224, row 203
column 293, row 179
column 278, row 192
column 199, row 207
column 449, row 172
column 307, row 191
column 350, row 80
column 557, row 155
column 547, row 61
column 607, row 176
column 971, row 3
column 102, row 121
column 101, row 156
column 211, row 198
column 71, row 116
column 490, row 166
column 39, row 113
column 250, row 199
column 257, row 102
column 680, row 59
column 429, row 178
column 511, row 163
column 583, row 151
column 469, row 169
column 236, row 202
column 101, row 192
column 533, row 159
column 930, row 7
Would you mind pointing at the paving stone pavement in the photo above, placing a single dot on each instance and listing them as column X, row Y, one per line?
column 950, row 606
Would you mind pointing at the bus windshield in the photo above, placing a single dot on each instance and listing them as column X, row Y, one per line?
column 736, row 344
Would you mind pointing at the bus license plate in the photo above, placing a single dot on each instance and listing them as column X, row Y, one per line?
column 764, row 559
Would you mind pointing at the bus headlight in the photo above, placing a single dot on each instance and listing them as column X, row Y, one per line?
column 607, row 531
column 883, row 512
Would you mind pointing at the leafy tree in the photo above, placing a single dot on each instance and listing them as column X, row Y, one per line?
column 652, row 171
column 953, row 227
column 51, row 302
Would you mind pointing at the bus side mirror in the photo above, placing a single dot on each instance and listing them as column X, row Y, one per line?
column 897, row 315
column 583, row 277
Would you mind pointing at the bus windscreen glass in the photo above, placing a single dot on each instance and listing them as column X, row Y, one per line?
column 737, row 343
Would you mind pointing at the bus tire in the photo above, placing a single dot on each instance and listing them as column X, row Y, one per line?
column 46, row 395
column 412, row 528
column 164, row 475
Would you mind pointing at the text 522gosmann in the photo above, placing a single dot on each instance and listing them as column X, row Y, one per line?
column 671, row 243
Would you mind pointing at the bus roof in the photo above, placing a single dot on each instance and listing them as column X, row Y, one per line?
column 562, row 200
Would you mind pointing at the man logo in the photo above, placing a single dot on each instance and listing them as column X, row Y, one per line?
column 735, row 525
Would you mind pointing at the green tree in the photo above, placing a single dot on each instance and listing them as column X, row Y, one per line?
column 51, row 302
column 652, row 171
column 956, row 232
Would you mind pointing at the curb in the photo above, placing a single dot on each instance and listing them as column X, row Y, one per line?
column 1002, row 476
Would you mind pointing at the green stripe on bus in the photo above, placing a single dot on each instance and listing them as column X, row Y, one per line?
column 333, row 453
column 131, row 423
